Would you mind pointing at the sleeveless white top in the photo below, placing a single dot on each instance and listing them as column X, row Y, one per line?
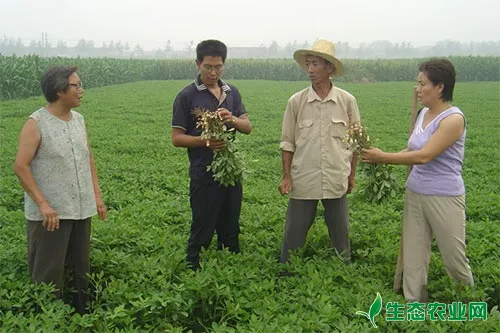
column 61, row 168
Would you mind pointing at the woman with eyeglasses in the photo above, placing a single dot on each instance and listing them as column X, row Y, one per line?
column 56, row 168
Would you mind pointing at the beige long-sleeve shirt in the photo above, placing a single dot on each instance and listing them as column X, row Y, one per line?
column 313, row 130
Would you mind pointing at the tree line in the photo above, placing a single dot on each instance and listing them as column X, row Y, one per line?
column 118, row 49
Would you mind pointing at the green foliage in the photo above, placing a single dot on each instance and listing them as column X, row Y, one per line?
column 227, row 165
column 381, row 182
column 139, row 280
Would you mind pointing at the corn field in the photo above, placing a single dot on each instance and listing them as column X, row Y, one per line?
column 20, row 76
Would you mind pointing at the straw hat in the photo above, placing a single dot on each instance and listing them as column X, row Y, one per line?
column 324, row 49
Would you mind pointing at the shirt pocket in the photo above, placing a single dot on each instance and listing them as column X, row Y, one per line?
column 305, row 123
column 338, row 128
column 305, row 131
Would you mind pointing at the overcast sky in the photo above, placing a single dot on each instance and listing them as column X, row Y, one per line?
column 151, row 23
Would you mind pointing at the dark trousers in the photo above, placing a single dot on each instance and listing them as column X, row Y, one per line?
column 300, row 217
column 49, row 252
column 214, row 208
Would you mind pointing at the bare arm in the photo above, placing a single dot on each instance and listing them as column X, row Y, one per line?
column 286, row 164
column 29, row 141
column 287, row 147
column 351, row 180
column 449, row 130
column 413, row 119
column 181, row 139
column 413, row 111
column 242, row 124
column 101, row 207
column 354, row 117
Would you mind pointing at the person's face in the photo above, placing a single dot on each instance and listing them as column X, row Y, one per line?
column 428, row 93
column 211, row 69
column 73, row 95
column 318, row 69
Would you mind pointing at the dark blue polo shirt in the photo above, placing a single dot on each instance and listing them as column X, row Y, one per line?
column 198, row 95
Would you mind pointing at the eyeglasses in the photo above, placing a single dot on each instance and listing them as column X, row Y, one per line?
column 77, row 85
column 218, row 68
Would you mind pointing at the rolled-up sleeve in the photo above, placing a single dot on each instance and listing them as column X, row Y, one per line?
column 288, row 127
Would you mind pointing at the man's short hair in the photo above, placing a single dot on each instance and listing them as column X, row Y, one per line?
column 211, row 48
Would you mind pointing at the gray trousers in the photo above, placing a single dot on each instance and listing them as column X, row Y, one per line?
column 49, row 252
column 300, row 217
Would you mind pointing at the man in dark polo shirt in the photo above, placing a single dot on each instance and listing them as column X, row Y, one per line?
column 214, row 207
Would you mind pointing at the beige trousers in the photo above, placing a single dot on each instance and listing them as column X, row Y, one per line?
column 425, row 216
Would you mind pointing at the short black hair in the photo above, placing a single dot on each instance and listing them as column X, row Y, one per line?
column 56, row 80
column 440, row 70
column 211, row 48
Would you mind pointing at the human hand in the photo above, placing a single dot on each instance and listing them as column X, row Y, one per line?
column 285, row 185
column 215, row 144
column 102, row 210
column 372, row 155
column 226, row 115
column 50, row 217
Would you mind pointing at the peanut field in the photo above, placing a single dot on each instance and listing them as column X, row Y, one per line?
column 139, row 280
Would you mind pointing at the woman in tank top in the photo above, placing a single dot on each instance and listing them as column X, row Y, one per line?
column 56, row 168
column 435, row 192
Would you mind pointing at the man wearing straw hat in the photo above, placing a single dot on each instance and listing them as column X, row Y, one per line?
column 316, row 163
